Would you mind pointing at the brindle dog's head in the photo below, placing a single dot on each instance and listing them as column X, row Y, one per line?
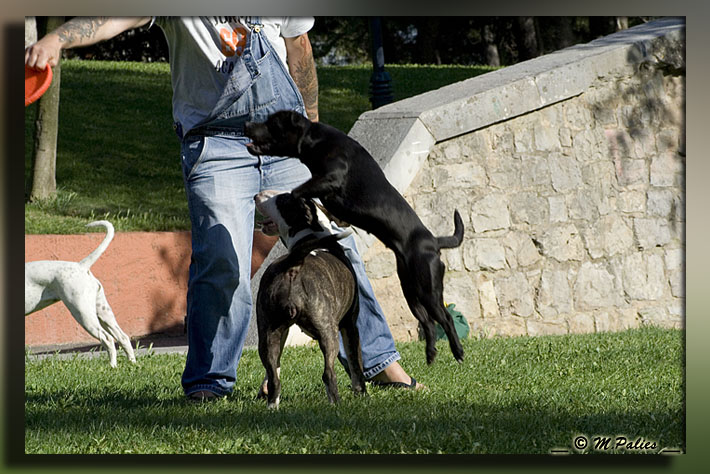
column 286, row 213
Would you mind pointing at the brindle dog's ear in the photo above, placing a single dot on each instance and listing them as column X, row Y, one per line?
column 311, row 214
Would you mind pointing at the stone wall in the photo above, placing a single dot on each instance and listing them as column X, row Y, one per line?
column 573, row 206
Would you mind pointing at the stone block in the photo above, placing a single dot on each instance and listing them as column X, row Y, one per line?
column 643, row 277
column 380, row 262
column 460, row 289
column 577, row 115
column 504, row 172
column 616, row 320
column 462, row 175
column 515, row 295
column 546, row 137
column 651, row 232
column 580, row 323
column 487, row 298
column 594, row 288
column 468, row 251
column 677, row 282
column 667, row 169
column 523, row 138
column 619, row 144
column 626, row 318
column 453, row 259
column 585, row 145
column 644, row 141
column 675, row 259
column 608, row 236
column 565, row 172
column 631, row 201
column 668, row 140
column 504, row 327
column 676, row 313
column 558, row 208
column 631, row 171
column 589, row 202
column 490, row 213
column 603, row 109
column 599, row 174
column 534, row 172
column 603, row 322
column 520, row 250
column 490, row 254
column 436, row 210
column 563, row 243
column 659, row 202
column 529, row 208
column 538, row 327
column 402, row 323
column 555, row 295
column 565, row 136
column 653, row 316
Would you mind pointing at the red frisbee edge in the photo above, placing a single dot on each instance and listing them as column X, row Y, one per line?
column 37, row 82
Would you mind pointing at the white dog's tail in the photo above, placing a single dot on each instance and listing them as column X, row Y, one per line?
column 90, row 259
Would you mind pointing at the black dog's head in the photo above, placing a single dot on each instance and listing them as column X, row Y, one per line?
column 280, row 135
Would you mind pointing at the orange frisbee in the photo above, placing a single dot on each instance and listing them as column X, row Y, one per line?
column 37, row 82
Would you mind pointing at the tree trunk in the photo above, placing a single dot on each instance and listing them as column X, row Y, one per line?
column 566, row 33
column 30, row 30
column 527, row 39
column 489, row 39
column 44, row 184
column 427, row 34
column 622, row 23
column 602, row 25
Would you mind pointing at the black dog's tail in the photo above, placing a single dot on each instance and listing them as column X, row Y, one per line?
column 301, row 249
column 455, row 240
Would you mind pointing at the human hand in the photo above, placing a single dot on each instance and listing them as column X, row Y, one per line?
column 47, row 50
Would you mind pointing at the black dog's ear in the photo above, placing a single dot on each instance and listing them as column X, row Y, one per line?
column 304, row 142
column 295, row 119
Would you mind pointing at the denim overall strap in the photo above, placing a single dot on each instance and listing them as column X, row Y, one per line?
column 258, row 86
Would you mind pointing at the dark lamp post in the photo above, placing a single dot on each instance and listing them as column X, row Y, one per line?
column 380, row 81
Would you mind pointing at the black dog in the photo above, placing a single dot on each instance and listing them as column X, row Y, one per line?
column 353, row 188
column 314, row 286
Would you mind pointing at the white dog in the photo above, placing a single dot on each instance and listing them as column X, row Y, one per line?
column 48, row 281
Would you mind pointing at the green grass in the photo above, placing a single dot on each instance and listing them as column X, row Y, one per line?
column 118, row 157
column 516, row 395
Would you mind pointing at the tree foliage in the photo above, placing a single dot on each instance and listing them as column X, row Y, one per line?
column 408, row 40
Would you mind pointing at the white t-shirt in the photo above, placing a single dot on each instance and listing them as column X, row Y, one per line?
column 201, row 49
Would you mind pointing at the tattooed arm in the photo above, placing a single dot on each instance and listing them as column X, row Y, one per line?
column 299, row 56
column 79, row 31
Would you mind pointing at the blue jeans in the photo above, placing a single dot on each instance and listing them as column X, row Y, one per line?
column 221, row 179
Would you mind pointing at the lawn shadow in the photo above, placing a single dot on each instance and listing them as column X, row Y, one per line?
column 452, row 426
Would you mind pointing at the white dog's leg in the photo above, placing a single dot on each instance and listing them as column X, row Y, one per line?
column 83, row 308
column 109, row 323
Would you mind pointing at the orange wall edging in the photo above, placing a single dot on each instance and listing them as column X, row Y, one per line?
column 144, row 276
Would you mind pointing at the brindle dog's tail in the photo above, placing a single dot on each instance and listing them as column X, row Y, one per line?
column 455, row 240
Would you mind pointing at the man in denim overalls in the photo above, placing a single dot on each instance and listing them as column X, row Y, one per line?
column 227, row 71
